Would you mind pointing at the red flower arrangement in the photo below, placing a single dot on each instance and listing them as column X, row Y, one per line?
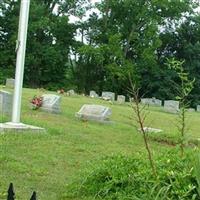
column 36, row 102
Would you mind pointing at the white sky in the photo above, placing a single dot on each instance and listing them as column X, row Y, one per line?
column 73, row 19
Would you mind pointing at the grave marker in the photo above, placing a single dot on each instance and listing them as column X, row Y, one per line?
column 94, row 112
column 171, row 106
column 10, row 82
column 121, row 99
column 108, row 96
column 93, row 94
column 51, row 103
column 6, row 103
column 151, row 101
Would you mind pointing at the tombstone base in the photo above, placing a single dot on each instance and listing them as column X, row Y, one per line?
column 19, row 127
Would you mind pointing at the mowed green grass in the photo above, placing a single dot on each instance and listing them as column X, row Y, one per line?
column 48, row 162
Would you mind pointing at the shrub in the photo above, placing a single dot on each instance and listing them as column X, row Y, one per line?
column 124, row 178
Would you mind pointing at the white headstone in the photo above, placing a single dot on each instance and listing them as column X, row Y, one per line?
column 108, row 96
column 94, row 113
column 151, row 130
column 151, row 101
column 171, row 106
column 198, row 108
column 5, row 103
column 51, row 103
column 121, row 99
column 10, row 82
column 93, row 94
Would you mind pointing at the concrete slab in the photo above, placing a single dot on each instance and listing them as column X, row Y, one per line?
column 151, row 130
column 19, row 127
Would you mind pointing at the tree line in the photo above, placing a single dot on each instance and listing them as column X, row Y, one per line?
column 126, row 40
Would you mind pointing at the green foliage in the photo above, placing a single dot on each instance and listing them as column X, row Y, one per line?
column 48, row 43
column 128, row 34
column 184, row 89
column 182, row 43
column 196, row 162
column 186, row 86
column 123, row 177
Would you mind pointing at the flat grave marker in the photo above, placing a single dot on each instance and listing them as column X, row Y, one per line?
column 94, row 113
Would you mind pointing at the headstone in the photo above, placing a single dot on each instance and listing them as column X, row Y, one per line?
column 131, row 99
column 70, row 92
column 5, row 103
column 94, row 112
column 121, row 99
column 10, row 82
column 108, row 96
column 51, row 103
column 93, row 94
column 198, row 108
column 171, row 106
column 151, row 101
column 191, row 110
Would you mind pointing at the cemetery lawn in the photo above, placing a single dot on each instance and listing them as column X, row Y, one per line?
column 48, row 162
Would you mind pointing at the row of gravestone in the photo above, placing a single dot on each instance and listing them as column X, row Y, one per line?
column 108, row 96
column 51, row 104
column 169, row 105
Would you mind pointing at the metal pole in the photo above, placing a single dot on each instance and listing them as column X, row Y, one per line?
column 21, row 49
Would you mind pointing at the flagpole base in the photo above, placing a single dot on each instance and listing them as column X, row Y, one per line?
column 10, row 127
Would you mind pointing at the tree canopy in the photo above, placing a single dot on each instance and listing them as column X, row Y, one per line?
column 125, row 40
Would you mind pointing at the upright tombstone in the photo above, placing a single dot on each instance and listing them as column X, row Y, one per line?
column 108, row 96
column 93, row 94
column 121, row 99
column 94, row 113
column 10, row 82
column 151, row 101
column 198, row 108
column 171, row 106
column 6, row 99
column 51, row 103
column 71, row 92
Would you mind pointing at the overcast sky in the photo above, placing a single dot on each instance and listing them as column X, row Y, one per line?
column 73, row 19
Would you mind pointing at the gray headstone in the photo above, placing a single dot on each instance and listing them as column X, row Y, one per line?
column 108, row 96
column 198, row 108
column 93, row 94
column 151, row 101
column 51, row 103
column 131, row 99
column 121, row 99
column 6, row 99
column 171, row 106
column 10, row 82
column 94, row 113
column 71, row 92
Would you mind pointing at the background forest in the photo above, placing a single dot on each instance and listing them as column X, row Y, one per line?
column 119, row 39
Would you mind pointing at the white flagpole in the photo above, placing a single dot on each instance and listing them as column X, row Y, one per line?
column 21, row 50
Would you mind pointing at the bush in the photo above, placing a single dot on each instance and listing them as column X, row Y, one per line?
column 124, row 178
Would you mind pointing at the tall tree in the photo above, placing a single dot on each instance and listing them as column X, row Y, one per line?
column 184, row 44
column 50, row 36
column 127, row 31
